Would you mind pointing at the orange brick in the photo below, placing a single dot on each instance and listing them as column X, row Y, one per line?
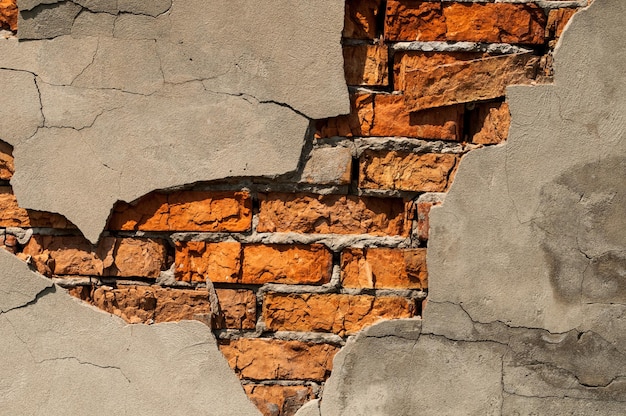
column 385, row 115
column 384, row 268
column 410, row 20
column 423, row 224
column 7, row 168
column 428, row 172
column 467, row 81
column 8, row 15
column 74, row 255
column 237, row 308
column 337, row 313
column 219, row 262
column 360, row 19
column 366, row 65
column 186, row 211
column 288, row 264
column 263, row 359
column 277, row 400
column 332, row 214
column 489, row 123
column 557, row 20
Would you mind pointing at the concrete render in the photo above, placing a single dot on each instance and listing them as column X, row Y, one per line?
column 113, row 99
column 64, row 357
column 526, row 312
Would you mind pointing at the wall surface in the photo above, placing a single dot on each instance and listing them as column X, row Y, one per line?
column 129, row 179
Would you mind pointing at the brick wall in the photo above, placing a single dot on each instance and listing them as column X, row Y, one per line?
column 285, row 269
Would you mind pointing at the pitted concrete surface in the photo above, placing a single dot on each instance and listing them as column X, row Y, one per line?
column 114, row 99
column 62, row 357
column 526, row 312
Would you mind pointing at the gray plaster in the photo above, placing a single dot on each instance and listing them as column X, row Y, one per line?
column 129, row 96
column 526, row 312
column 63, row 357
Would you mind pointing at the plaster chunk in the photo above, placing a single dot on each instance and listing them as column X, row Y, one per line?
column 172, row 93
column 53, row 349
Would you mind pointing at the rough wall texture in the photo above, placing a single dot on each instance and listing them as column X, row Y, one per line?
column 287, row 269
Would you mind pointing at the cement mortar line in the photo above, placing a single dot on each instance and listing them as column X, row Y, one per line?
column 545, row 4
column 310, row 337
column 401, row 144
column 287, row 383
column 439, row 46
column 416, row 294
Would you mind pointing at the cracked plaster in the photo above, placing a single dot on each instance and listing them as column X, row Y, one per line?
column 55, row 360
column 526, row 312
column 114, row 99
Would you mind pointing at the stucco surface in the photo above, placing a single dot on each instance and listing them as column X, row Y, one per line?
column 526, row 256
column 116, row 99
column 62, row 357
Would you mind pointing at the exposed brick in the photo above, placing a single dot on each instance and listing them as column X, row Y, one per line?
column 467, row 81
column 384, row 268
column 366, row 65
column 73, row 255
column 11, row 215
column 288, row 264
column 328, row 166
column 409, row 20
column 489, row 123
column 428, row 172
column 196, row 261
column 260, row 359
column 423, row 223
column 277, row 400
column 335, row 214
column 337, row 313
column 8, row 15
column 360, row 19
column 407, row 61
column 153, row 304
column 9, row 243
column 385, row 115
column 186, row 211
column 7, row 168
column 557, row 20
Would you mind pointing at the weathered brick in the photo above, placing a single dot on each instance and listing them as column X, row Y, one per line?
column 74, row 255
column 407, row 61
column 262, row 359
column 428, row 172
column 410, row 20
column 8, row 15
column 7, row 168
column 337, row 313
column 384, row 268
column 219, row 262
column 288, row 264
column 332, row 214
column 360, row 19
column 489, row 123
column 277, row 400
column 466, row 81
column 385, row 115
column 366, row 65
column 9, row 243
column 423, row 223
column 557, row 20
column 328, row 166
column 153, row 304
column 186, row 211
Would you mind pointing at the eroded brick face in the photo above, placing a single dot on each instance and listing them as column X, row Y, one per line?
column 284, row 269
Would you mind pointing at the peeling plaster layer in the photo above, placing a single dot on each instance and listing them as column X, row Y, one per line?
column 125, row 100
column 55, row 360
column 527, row 309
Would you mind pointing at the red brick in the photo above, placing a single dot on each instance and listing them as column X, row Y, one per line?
column 360, row 19
column 366, row 65
column 423, row 224
column 428, row 172
column 288, row 264
column 219, row 262
column 337, row 313
column 8, row 15
column 277, row 400
column 74, row 255
column 489, row 123
column 467, row 81
column 384, row 268
column 332, row 214
column 186, row 211
column 263, row 359
column 410, row 20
